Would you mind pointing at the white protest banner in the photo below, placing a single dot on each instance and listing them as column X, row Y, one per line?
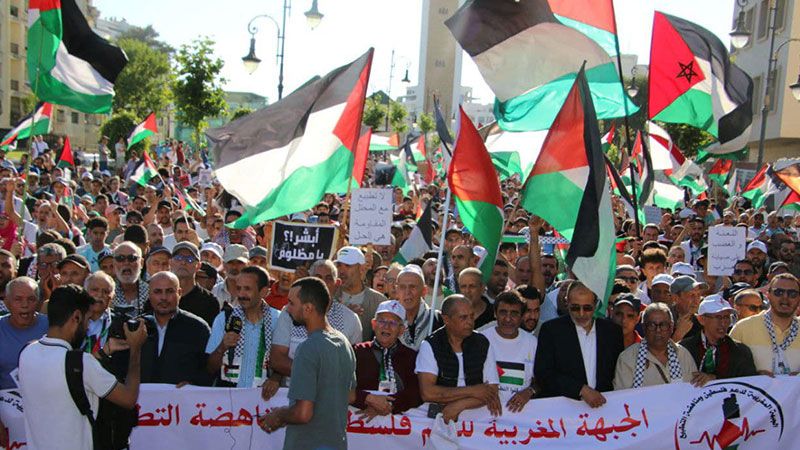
column 300, row 244
column 652, row 214
column 726, row 245
column 371, row 217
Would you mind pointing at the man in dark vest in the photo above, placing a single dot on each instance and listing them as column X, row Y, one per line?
column 455, row 366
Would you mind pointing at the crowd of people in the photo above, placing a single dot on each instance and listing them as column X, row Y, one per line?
column 145, row 291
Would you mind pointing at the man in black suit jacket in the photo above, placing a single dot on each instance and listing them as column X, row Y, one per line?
column 559, row 366
column 176, row 353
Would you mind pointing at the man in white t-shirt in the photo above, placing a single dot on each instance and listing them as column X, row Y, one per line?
column 52, row 420
column 514, row 351
column 455, row 366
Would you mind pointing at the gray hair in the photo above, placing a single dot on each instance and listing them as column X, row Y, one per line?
column 23, row 280
column 657, row 307
column 451, row 301
column 323, row 263
column 472, row 271
column 100, row 275
column 130, row 245
column 52, row 249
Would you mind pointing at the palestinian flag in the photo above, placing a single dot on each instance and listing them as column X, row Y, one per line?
column 146, row 170
column 788, row 171
column 667, row 157
column 186, row 201
column 419, row 242
column 733, row 187
column 759, row 188
column 143, row 130
column 66, row 159
column 594, row 18
column 362, row 154
column 399, row 177
column 511, row 373
column 476, row 189
column 519, row 48
column 640, row 170
column 719, row 171
column 608, row 138
column 68, row 64
column 692, row 81
column 792, row 202
column 32, row 124
column 444, row 134
column 569, row 189
column 384, row 143
column 307, row 150
column 513, row 152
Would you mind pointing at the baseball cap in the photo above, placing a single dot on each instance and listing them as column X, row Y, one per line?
column 757, row 245
column 682, row 268
column 350, row 256
column 165, row 204
column 628, row 299
column 76, row 259
column 186, row 245
column 393, row 307
column 684, row 284
column 209, row 270
column 662, row 278
column 258, row 251
column 87, row 176
column 297, row 217
column 235, row 252
column 777, row 265
column 686, row 213
column 414, row 269
column 212, row 247
column 713, row 304
column 62, row 181
column 158, row 249
column 730, row 292
column 113, row 207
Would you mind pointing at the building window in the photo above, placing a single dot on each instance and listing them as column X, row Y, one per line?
column 14, row 85
column 60, row 115
column 763, row 19
column 86, row 119
column 780, row 14
column 16, row 109
column 14, row 11
column 757, row 92
column 14, row 47
column 75, row 117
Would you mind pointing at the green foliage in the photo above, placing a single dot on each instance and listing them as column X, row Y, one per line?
column 28, row 103
column 198, row 86
column 149, row 36
column 241, row 112
column 688, row 138
column 143, row 86
column 119, row 126
column 397, row 117
column 374, row 114
column 426, row 123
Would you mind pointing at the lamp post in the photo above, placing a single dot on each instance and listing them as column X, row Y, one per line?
column 251, row 61
column 632, row 89
column 739, row 38
column 389, row 93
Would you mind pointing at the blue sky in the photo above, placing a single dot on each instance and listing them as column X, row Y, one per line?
column 350, row 27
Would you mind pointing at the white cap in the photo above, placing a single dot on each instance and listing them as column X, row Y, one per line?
column 682, row 268
column 686, row 213
column 393, row 307
column 350, row 256
column 713, row 304
column 662, row 278
column 757, row 245
column 236, row 252
column 413, row 269
column 212, row 247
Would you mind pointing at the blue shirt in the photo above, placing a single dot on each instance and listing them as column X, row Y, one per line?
column 251, row 333
column 12, row 341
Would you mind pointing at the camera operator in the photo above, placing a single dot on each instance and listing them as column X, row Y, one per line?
column 52, row 419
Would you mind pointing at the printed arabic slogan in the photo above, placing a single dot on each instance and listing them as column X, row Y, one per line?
column 726, row 245
column 371, row 217
column 743, row 413
column 299, row 244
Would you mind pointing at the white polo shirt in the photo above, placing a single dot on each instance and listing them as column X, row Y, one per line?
column 51, row 418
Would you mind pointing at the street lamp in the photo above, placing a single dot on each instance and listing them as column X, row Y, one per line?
column 740, row 35
column 389, row 93
column 795, row 88
column 632, row 89
column 251, row 61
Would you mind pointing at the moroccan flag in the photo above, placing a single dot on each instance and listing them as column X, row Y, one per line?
column 145, row 129
column 608, row 138
column 146, row 170
column 667, row 157
column 519, row 48
column 68, row 64
column 362, row 154
column 474, row 184
column 568, row 188
column 66, row 159
column 420, row 241
column 33, row 124
column 307, row 149
column 692, row 81
column 719, row 171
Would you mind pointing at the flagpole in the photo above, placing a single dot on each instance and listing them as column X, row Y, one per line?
column 346, row 211
column 438, row 279
column 628, row 142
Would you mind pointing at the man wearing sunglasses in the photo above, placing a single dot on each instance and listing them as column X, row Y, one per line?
column 772, row 335
column 185, row 263
column 577, row 353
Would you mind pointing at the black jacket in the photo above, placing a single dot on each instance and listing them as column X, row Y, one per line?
column 739, row 357
column 201, row 303
column 559, row 364
column 183, row 356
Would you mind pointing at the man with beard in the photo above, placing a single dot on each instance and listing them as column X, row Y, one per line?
column 175, row 354
column 73, row 270
column 243, row 355
column 533, row 308
column 51, row 418
column 772, row 335
column 324, row 376
column 498, row 281
column 362, row 300
column 692, row 246
column 8, row 271
column 185, row 263
column 155, row 235
column 744, row 271
column 757, row 254
column 132, row 292
column 234, row 260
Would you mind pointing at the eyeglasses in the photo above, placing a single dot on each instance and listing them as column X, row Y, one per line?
column 656, row 326
column 790, row 293
column 387, row 323
column 44, row 265
column 719, row 317
column 189, row 259
column 579, row 308
column 743, row 272
column 126, row 258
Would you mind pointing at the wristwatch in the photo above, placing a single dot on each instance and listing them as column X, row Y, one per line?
column 532, row 391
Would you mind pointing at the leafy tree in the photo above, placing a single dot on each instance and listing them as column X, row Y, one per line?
column 149, row 36
column 143, row 86
column 688, row 138
column 374, row 114
column 426, row 123
column 119, row 126
column 241, row 112
column 198, row 86
column 397, row 117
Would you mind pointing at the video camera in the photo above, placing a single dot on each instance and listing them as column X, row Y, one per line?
column 119, row 319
